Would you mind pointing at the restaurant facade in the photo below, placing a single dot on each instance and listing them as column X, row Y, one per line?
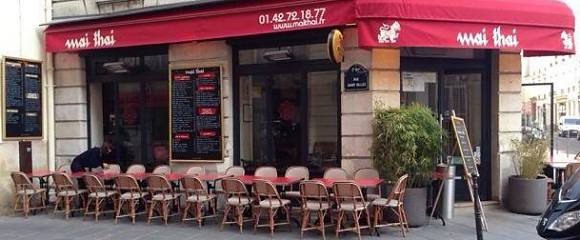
column 283, row 83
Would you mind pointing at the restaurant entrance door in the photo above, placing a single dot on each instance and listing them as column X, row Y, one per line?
column 289, row 119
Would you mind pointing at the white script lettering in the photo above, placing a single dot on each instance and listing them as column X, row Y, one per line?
column 103, row 40
column 507, row 40
column 473, row 39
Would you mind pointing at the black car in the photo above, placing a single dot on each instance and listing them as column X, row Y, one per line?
column 562, row 218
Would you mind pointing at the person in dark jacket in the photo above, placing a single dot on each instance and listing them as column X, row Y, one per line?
column 91, row 159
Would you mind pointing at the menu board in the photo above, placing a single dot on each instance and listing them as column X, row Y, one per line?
column 196, row 115
column 464, row 145
column 22, row 99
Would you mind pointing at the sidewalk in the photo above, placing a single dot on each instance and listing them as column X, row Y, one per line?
column 502, row 225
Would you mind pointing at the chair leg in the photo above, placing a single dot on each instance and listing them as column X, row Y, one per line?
column 321, row 216
column 271, row 221
column 133, row 206
column 338, row 223
column 226, row 211
column 240, row 218
column 288, row 210
column 118, row 210
column 303, row 221
column 198, row 214
column 185, row 211
column 150, row 215
column 87, row 208
column 26, row 206
column 67, row 201
column 356, row 217
column 257, row 219
column 16, row 200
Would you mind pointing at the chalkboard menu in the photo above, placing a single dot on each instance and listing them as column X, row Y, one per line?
column 22, row 99
column 196, row 115
column 464, row 145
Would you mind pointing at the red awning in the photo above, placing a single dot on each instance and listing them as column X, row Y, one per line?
column 187, row 24
column 539, row 27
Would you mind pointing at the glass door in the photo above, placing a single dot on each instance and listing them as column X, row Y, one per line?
column 289, row 119
column 135, row 119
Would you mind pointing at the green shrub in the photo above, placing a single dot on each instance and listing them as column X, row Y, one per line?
column 406, row 140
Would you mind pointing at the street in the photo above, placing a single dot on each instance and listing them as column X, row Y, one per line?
column 566, row 146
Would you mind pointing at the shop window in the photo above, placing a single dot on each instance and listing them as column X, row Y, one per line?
column 283, row 54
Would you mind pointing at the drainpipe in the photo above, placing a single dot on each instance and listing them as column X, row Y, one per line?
column 49, row 86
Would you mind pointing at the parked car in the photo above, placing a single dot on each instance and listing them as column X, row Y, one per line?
column 568, row 126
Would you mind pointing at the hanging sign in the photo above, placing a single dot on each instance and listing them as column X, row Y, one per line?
column 22, row 99
column 196, row 115
column 335, row 46
column 356, row 78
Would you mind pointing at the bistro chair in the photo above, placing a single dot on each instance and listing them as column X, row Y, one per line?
column 113, row 168
column 237, row 201
column 195, row 171
column 350, row 200
column 197, row 198
column 136, row 168
column 65, row 168
column 297, row 172
column 369, row 173
column 235, row 171
column 336, row 173
column 394, row 202
column 314, row 199
column 266, row 171
column 570, row 169
column 162, row 169
column 130, row 194
column 162, row 196
column 98, row 195
column 267, row 198
column 66, row 193
column 25, row 193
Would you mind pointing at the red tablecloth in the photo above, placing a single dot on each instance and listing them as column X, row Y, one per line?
column 281, row 181
column 363, row 183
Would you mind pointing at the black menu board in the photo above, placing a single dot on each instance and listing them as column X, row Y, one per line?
column 464, row 145
column 196, row 115
column 22, row 99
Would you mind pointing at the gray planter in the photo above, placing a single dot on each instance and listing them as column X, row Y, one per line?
column 527, row 196
column 415, row 204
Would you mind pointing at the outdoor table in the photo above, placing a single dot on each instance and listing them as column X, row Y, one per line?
column 278, row 181
column 361, row 182
column 558, row 166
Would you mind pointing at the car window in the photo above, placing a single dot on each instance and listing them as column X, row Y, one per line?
column 572, row 121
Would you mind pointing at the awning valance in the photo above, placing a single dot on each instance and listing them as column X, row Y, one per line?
column 228, row 19
column 539, row 27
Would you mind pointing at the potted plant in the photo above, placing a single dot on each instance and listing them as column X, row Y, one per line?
column 407, row 140
column 527, row 189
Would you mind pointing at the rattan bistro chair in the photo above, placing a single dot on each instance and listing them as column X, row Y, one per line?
column 25, row 193
column 267, row 198
column 98, row 194
column 350, row 201
column 136, row 168
column 162, row 197
column 394, row 202
column 314, row 199
column 299, row 172
column 237, row 201
column 130, row 194
column 66, row 193
column 369, row 173
column 195, row 171
column 336, row 173
column 197, row 197
column 162, row 169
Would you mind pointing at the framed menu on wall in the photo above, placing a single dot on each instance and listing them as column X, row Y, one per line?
column 21, row 99
column 196, row 115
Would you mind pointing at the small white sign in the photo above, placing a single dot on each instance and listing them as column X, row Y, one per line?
column 415, row 81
